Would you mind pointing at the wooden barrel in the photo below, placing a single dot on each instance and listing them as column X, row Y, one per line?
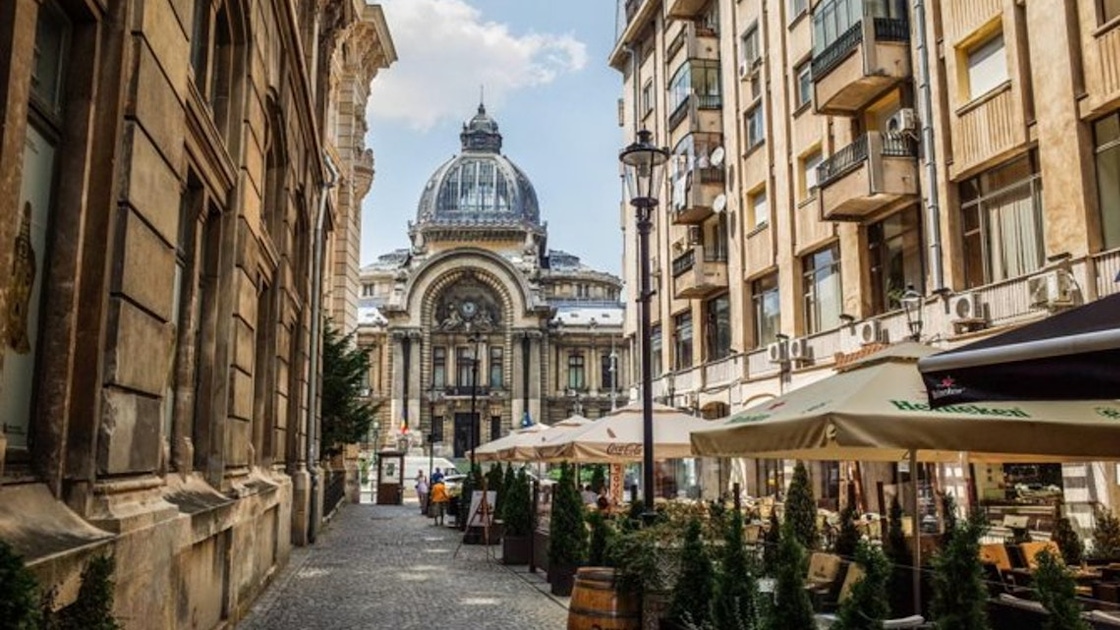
column 596, row 605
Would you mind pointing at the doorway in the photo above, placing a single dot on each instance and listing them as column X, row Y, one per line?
column 463, row 424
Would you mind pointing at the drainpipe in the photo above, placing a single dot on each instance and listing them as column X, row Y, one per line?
column 925, row 102
column 316, row 348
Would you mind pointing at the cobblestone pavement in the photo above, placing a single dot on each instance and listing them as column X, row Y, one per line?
column 377, row 566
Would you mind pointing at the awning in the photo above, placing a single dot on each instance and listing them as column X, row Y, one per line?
column 617, row 437
column 1074, row 355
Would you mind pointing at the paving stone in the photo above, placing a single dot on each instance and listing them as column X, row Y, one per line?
column 377, row 566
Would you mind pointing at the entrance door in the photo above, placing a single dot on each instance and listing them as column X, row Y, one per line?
column 463, row 426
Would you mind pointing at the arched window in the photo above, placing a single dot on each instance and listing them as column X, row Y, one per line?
column 216, row 58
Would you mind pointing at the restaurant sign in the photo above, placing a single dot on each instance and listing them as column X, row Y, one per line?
column 972, row 410
column 630, row 449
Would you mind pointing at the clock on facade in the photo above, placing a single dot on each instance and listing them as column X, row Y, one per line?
column 468, row 309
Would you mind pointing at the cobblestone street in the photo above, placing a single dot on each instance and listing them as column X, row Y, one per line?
column 378, row 566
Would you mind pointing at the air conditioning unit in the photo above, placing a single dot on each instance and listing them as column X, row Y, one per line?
column 800, row 350
column 870, row 331
column 744, row 68
column 904, row 120
column 777, row 352
column 1052, row 289
column 966, row 308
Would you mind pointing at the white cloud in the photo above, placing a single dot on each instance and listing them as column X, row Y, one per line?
column 447, row 51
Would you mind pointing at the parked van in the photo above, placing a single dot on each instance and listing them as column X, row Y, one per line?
column 413, row 463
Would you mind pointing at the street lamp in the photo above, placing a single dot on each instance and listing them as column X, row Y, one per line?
column 476, row 339
column 912, row 306
column 644, row 164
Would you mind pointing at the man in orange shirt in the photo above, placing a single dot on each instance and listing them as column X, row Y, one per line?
column 439, row 501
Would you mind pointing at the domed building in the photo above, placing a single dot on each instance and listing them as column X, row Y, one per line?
column 479, row 319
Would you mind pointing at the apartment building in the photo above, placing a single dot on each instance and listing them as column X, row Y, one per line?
column 828, row 157
column 173, row 171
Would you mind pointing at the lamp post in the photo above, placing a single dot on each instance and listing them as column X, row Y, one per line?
column 476, row 339
column 912, row 306
column 644, row 164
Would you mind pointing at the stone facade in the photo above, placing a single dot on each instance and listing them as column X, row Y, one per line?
column 480, row 280
column 167, row 168
column 806, row 150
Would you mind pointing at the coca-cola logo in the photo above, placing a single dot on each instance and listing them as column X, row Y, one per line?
column 624, row 450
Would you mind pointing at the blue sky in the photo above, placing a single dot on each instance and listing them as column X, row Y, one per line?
column 543, row 66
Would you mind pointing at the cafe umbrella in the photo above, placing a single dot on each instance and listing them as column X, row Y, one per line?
column 1073, row 355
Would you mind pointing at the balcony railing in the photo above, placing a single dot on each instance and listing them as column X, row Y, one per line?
column 886, row 30
column 850, row 157
column 684, row 262
column 699, row 101
column 462, row 391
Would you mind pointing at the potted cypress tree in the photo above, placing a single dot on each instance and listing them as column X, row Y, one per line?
column 1106, row 536
column 567, row 536
column 517, row 520
column 1069, row 543
column 959, row 594
column 801, row 508
column 600, row 539
column 692, row 597
column 868, row 604
column 1057, row 592
column 847, row 540
column 792, row 608
column 736, row 591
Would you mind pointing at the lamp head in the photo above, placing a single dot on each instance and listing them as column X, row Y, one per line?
column 644, row 165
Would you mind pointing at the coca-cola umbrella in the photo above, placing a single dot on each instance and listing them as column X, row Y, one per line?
column 492, row 450
column 616, row 438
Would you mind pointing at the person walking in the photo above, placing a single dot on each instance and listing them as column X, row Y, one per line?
column 422, row 491
column 437, row 475
column 439, row 501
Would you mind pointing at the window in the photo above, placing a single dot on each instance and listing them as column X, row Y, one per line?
column 758, row 207
column 987, row 67
column 647, row 98
column 495, row 427
column 766, row 307
column 1106, row 133
column 439, row 367
column 464, row 364
column 750, row 55
column 716, row 244
column 821, row 288
column 755, row 127
column 1110, row 10
column 717, row 327
column 367, row 290
column 497, row 367
column 655, row 347
column 577, row 380
column 212, row 58
column 1002, row 222
column 682, row 341
column 808, row 175
column 895, row 256
column 437, row 429
column 606, row 371
column 803, row 91
column 796, row 8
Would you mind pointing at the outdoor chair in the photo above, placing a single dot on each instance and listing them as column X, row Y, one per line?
column 1032, row 549
column 913, row 621
column 1101, row 620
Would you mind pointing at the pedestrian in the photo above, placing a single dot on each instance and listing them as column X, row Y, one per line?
column 589, row 496
column 439, row 500
column 437, row 475
column 422, row 491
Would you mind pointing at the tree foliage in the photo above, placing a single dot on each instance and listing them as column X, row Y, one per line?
column 847, row 540
column 868, row 605
column 516, row 509
column 771, row 542
column 1057, row 592
column 19, row 592
column 792, row 607
column 93, row 609
column 495, row 482
column 692, row 597
column 346, row 418
column 598, row 478
column 736, row 591
column 567, row 540
column 1069, row 543
column 801, row 508
column 959, row 594
column 600, row 539
column 1106, row 535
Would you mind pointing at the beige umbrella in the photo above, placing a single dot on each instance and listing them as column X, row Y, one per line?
column 526, row 450
column 878, row 410
column 491, row 451
column 617, row 437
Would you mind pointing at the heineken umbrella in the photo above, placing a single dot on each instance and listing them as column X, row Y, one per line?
column 616, row 438
column 877, row 410
column 490, row 451
column 1074, row 355
column 525, row 449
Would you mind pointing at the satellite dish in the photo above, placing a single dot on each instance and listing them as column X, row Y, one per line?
column 717, row 156
column 719, row 203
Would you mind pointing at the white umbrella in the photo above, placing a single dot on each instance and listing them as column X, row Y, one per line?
column 526, row 450
column 618, row 437
column 492, row 450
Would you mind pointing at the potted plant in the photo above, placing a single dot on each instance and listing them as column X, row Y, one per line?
column 1069, row 543
column 517, row 521
column 567, row 536
column 959, row 594
column 600, row 539
column 792, row 608
column 801, row 508
column 868, row 605
column 692, row 597
column 736, row 591
column 847, row 540
column 1106, row 536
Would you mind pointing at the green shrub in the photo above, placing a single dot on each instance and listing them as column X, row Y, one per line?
column 19, row 592
column 93, row 609
column 847, row 540
column 567, row 540
column 495, row 482
column 959, row 594
column 598, row 478
column 692, row 597
column 770, row 544
column 633, row 553
column 801, row 508
column 600, row 538
column 869, row 604
column 736, row 591
column 1057, row 592
column 517, row 513
column 1069, row 543
column 792, row 609
column 1106, row 535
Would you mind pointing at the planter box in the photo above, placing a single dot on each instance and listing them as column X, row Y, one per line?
column 516, row 549
column 562, row 580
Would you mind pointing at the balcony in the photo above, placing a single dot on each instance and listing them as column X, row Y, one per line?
column 878, row 169
column 686, row 9
column 863, row 62
column 694, row 195
column 698, row 274
column 464, row 391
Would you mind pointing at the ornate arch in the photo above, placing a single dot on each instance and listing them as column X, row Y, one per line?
column 487, row 266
